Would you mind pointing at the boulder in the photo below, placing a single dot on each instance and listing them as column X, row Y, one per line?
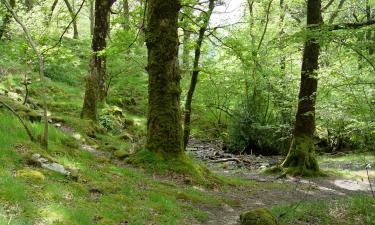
column 261, row 216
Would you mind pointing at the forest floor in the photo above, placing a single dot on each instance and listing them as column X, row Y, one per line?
column 278, row 191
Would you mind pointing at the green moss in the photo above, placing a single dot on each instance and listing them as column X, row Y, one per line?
column 261, row 216
column 301, row 159
column 30, row 174
column 192, row 172
column 121, row 154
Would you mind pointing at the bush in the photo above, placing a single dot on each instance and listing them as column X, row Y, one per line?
column 247, row 133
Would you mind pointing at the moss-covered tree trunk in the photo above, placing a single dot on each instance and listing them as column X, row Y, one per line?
column 6, row 20
column 195, row 73
column 186, row 51
column 126, row 23
column 164, row 131
column 95, row 82
column 301, row 158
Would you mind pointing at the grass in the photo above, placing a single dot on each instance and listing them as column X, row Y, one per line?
column 358, row 209
column 126, row 194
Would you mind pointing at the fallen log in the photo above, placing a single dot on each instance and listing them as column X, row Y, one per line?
column 227, row 160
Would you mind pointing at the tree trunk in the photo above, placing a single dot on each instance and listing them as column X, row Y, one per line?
column 126, row 13
column 54, row 4
column 164, row 131
column 186, row 51
column 194, row 76
column 29, row 5
column 6, row 20
column 370, row 36
column 72, row 14
column 91, row 16
column 301, row 158
column 282, row 36
column 95, row 83
column 44, row 138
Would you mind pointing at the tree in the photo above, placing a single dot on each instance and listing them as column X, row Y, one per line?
column 72, row 15
column 164, row 130
column 33, row 44
column 6, row 20
column 301, row 156
column 126, row 13
column 95, row 82
column 194, row 76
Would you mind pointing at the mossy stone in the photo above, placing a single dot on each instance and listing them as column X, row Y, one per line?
column 31, row 174
column 121, row 154
column 261, row 216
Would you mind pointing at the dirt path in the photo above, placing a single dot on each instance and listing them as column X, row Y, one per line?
column 268, row 191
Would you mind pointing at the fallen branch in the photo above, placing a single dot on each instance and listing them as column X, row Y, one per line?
column 20, row 119
column 227, row 160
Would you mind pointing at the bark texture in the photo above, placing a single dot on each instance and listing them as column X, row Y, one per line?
column 95, row 82
column 301, row 158
column 186, row 51
column 195, row 73
column 164, row 131
column 126, row 24
column 6, row 20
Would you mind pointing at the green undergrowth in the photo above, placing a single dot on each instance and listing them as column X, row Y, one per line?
column 103, row 193
column 184, row 166
column 294, row 171
column 358, row 209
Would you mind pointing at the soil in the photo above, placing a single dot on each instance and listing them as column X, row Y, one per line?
column 270, row 190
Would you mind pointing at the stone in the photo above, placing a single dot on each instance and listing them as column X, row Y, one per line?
column 77, row 136
column 44, row 163
column 56, row 167
column 260, row 216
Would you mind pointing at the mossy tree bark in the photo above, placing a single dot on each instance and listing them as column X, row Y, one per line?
column 195, row 73
column 301, row 158
column 164, row 130
column 29, row 4
column 6, row 20
column 370, row 34
column 95, row 82
column 126, row 23
column 186, row 51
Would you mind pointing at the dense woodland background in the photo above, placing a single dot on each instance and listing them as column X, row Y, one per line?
column 106, row 108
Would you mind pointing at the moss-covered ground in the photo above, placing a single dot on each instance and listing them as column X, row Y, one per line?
column 109, row 187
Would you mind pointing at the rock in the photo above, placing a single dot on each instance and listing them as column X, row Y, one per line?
column 44, row 163
column 56, row 167
column 260, row 216
column 30, row 174
column 121, row 154
column 77, row 136
column 15, row 96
